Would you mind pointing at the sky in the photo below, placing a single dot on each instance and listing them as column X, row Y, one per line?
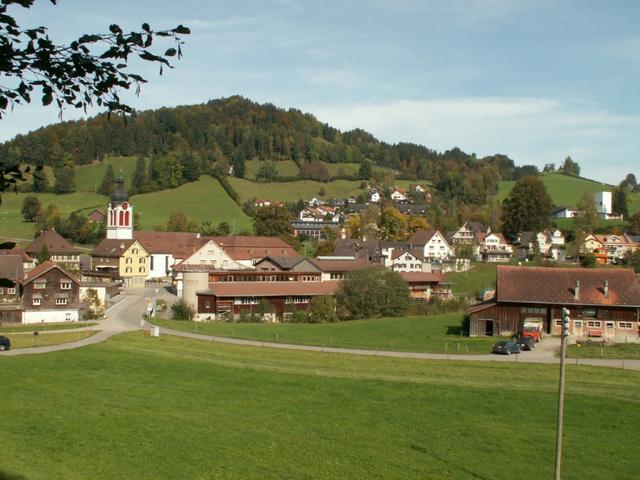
column 535, row 80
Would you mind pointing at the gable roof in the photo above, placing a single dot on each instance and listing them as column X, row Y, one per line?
column 422, row 277
column 241, row 247
column 178, row 244
column 422, row 237
column 11, row 267
column 557, row 286
column 55, row 243
column 364, row 249
column 26, row 258
column 44, row 268
column 397, row 253
column 284, row 262
column 342, row 265
column 111, row 247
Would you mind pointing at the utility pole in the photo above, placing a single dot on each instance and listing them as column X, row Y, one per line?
column 566, row 320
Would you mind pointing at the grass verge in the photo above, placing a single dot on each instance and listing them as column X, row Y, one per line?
column 24, row 340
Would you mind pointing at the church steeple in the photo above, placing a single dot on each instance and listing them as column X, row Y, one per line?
column 120, row 214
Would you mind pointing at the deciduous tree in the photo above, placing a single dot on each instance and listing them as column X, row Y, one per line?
column 528, row 207
column 372, row 293
column 31, row 208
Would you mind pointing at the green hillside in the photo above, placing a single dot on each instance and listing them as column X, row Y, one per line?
column 566, row 190
column 293, row 191
column 89, row 177
column 285, row 168
column 12, row 225
column 203, row 200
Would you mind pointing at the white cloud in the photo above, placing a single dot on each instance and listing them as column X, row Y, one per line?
column 530, row 130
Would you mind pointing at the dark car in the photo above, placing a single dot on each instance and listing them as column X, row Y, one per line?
column 526, row 343
column 506, row 348
column 5, row 343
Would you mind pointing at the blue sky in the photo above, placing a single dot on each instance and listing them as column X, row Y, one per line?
column 536, row 80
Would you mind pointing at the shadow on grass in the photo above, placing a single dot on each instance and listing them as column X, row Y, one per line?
column 11, row 476
column 420, row 449
column 454, row 330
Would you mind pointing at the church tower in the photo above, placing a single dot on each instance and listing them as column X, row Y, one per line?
column 120, row 214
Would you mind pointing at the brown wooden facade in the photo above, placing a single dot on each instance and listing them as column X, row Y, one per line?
column 585, row 320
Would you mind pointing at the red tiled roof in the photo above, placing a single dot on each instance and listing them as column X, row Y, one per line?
column 42, row 269
column 242, row 247
column 110, row 247
column 178, row 244
column 415, row 277
column 342, row 265
column 17, row 251
column 398, row 252
column 421, row 237
column 55, row 243
column 271, row 289
column 11, row 267
column 557, row 286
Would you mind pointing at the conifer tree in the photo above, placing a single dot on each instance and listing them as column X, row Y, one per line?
column 108, row 184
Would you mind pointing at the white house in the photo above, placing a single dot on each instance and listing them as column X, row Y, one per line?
column 408, row 261
column 210, row 256
column 493, row 247
column 165, row 249
column 432, row 244
column 565, row 212
column 375, row 196
column 399, row 195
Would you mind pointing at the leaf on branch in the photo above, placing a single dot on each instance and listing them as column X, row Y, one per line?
column 170, row 52
column 47, row 98
column 146, row 27
column 181, row 30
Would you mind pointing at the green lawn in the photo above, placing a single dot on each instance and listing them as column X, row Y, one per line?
column 44, row 327
column 436, row 334
column 468, row 284
column 293, row 191
column 149, row 408
column 89, row 177
column 619, row 350
column 202, row 200
column 12, row 224
column 26, row 340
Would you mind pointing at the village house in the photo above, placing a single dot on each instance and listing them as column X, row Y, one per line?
column 408, row 261
column 96, row 216
column 321, row 213
column 49, row 294
column 369, row 250
column 313, row 229
column 424, row 286
column 399, row 195
column 602, row 302
column 122, row 261
column 60, row 250
column 432, row 244
column 492, row 247
column 28, row 262
column 616, row 246
column 467, row 233
column 11, row 273
column 565, row 212
column 165, row 249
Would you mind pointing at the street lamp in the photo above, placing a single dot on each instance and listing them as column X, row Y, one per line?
column 566, row 320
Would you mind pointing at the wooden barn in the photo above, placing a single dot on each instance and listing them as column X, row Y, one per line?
column 602, row 302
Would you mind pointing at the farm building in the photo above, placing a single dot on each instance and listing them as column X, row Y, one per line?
column 602, row 302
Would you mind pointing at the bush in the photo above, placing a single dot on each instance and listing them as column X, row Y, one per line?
column 588, row 261
column 161, row 305
column 181, row 310
column 323, row 310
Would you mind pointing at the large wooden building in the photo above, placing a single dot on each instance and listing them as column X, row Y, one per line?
column 602, row 302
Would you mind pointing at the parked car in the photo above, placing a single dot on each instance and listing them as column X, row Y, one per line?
column 5, row 343
column 526, row 343
column 506, row 348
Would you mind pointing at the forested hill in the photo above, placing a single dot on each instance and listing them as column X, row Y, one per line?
column 189, row 140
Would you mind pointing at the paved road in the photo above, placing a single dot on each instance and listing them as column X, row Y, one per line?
column 125, row 317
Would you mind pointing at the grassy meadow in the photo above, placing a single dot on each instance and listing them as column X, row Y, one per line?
column 611, row 351
column 89, row 177
column 13, row 328
column 201, row 200
column 27, row 340
column 171, row 408
column 434, row 334
column 470, row 283
column 294, row 191
column 567, row 190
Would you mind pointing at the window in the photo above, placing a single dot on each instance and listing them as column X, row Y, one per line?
column 297, row 299
column 141, row 270
column 37, row 301
column 590, row 312
column 61, row 301
column 578, row 323
column 129, row 260
column 141, row 260
column 1, row 291
column 40, row 285
column 134, row 251
column 610, row 324
column 594, row 324
column 11, row 291
column 246, row 300
column 625, row 325
column 128, row 270
column 535, row 310
column 65, row 285
column 558, row 323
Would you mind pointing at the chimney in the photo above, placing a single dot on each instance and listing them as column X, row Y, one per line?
column 576, row 291
column 122, row 246
column 606, row 289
